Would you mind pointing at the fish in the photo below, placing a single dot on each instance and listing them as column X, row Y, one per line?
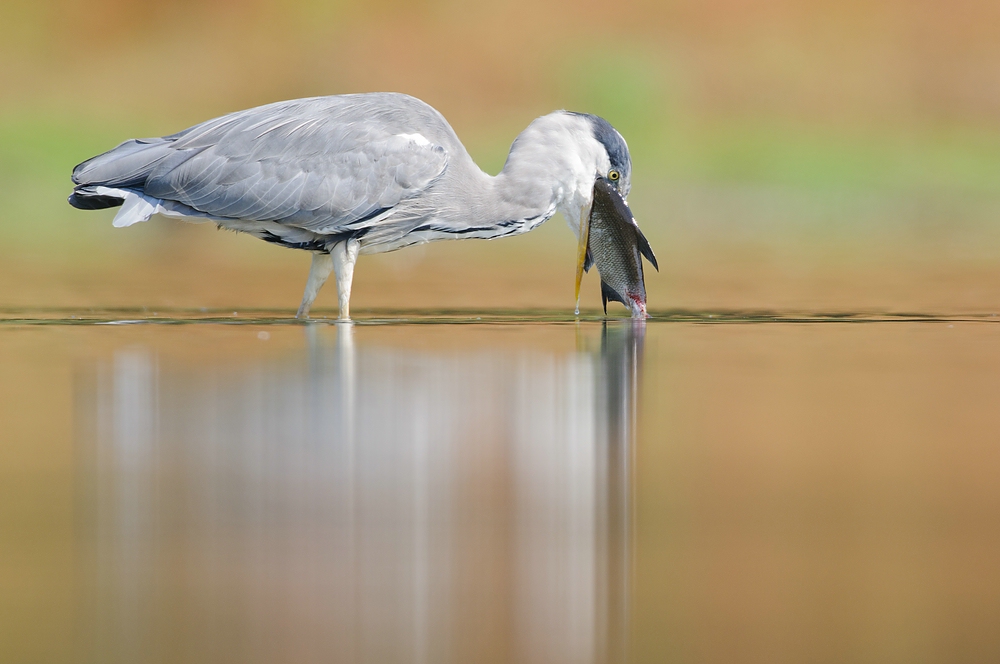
column 613, row 242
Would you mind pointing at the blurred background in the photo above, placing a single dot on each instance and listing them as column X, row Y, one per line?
column 806, row 155
column 521, row 491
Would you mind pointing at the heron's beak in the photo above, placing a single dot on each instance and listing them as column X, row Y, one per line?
column 581, row 251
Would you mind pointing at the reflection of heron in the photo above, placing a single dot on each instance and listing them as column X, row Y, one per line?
column 617, row 400
column 499, row 490
column 350, row 174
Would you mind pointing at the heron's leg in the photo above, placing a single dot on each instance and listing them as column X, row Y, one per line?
column 322, row 264
column 345, row 254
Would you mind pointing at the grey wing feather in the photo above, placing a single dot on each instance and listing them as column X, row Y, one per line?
column 326, row 164
column 128, row 164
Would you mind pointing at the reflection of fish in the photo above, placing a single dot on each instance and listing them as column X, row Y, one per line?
column 614, row 245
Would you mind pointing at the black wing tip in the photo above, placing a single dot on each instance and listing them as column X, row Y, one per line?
column 84, row 201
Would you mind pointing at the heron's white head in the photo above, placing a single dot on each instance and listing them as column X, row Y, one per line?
column 563, row 153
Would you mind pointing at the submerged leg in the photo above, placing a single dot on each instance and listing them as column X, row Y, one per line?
column 344, row 256
column 322, row 264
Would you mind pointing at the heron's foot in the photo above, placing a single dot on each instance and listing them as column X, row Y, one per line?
column 320, row 269
column 344, row 255
column 303, row 312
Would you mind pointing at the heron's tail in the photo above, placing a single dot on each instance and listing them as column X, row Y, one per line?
column 103, row 181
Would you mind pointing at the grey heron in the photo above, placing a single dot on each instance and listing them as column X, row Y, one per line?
column 355, row 174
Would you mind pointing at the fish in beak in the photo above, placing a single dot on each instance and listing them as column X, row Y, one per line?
column 611, row 240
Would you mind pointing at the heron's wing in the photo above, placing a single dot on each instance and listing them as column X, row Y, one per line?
column 318, row 164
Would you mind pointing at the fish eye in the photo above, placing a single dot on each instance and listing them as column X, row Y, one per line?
column 613, row 176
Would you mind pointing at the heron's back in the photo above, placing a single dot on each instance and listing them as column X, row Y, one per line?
column 321, row 164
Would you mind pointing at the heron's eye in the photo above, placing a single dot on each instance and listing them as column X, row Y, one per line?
column 613, row 176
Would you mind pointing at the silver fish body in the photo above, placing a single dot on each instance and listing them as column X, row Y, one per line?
column 616, row 246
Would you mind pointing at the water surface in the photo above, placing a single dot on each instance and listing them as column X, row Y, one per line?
column 210, row 485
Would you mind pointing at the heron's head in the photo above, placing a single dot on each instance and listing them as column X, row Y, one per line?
column 615, row 164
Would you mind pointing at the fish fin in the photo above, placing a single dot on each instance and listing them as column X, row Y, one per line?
column 609, row 294
column 645, row 250
column 588, row 262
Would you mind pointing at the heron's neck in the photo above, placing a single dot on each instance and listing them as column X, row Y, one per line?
column 551, row 166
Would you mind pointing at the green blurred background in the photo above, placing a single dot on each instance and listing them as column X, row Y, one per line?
column 787, row 155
